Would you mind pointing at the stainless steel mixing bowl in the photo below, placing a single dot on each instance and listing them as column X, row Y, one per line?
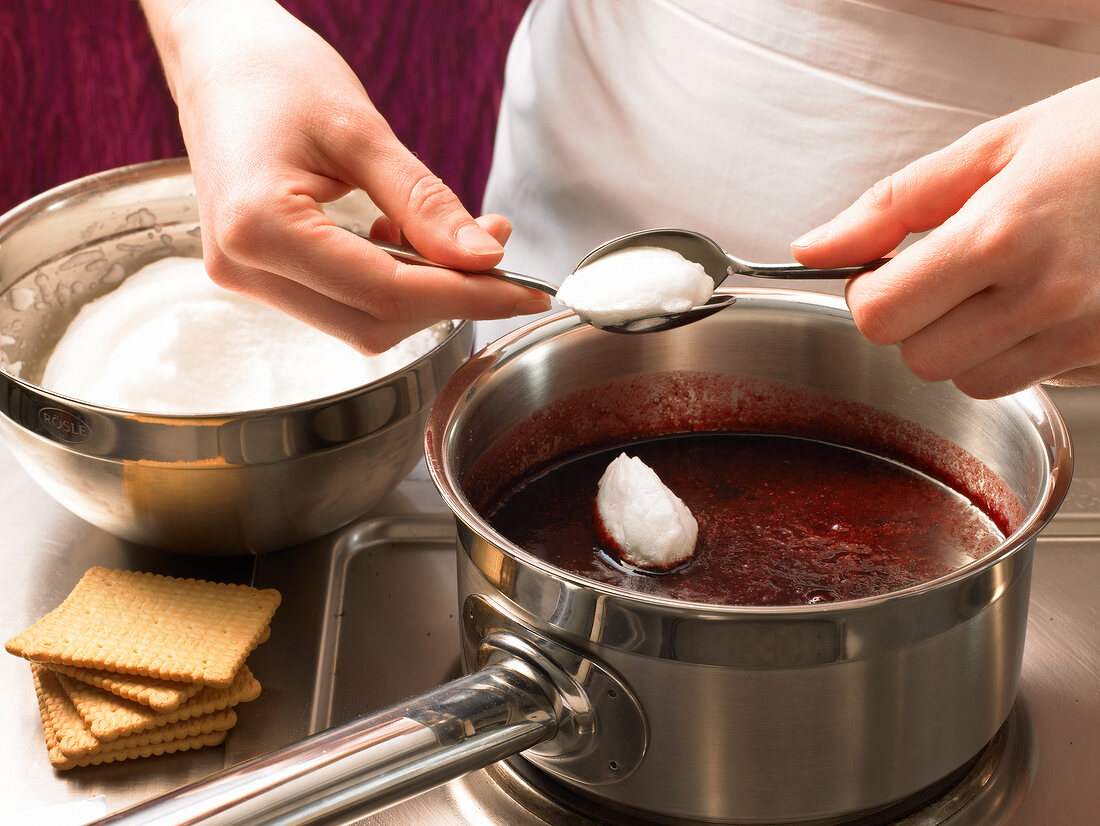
column 245, row 482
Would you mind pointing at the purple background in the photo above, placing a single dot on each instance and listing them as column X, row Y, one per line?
column 81, row 89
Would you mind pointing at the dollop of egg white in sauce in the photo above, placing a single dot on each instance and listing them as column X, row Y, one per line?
column 649, row 525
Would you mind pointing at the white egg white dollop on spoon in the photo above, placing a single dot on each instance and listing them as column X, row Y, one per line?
column 635, row 283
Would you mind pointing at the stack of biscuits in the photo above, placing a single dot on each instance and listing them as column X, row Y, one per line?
column 136, row 664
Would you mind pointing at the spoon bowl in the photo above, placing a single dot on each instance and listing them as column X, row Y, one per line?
column 693, row 246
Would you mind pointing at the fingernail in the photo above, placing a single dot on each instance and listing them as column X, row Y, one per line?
column 814, row 236
column 532, row 305
column 474, row 239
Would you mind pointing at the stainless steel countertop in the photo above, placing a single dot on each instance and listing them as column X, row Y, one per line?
column 319, row 671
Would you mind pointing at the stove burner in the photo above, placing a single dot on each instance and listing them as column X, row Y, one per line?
column 980, row 793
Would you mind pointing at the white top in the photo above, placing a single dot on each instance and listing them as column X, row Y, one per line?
column 751, row 121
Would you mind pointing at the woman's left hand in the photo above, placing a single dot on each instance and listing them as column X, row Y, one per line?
column 1004, row 290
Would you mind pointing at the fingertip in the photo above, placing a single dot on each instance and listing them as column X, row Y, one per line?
column 816, row 236
column 530, row 306
column 983, row 388
column 870, row 319
column 474, row 239
column 496, row 225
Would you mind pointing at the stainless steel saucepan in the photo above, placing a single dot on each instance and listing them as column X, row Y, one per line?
column 680, row 712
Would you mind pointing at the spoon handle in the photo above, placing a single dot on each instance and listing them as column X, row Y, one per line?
column 411, row 256
column 798, row 271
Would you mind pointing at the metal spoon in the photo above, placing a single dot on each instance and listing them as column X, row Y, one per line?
column 693, row 246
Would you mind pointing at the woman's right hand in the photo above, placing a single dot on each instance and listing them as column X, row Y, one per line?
column 276, row 124
column 1003, row 289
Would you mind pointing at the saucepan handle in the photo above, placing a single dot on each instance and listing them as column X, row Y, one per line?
column 372, row 762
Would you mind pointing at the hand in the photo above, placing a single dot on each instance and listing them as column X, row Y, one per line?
column 1004, row 291
column 276, row 124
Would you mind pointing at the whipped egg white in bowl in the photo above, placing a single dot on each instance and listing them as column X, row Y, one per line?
column 243, row 474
